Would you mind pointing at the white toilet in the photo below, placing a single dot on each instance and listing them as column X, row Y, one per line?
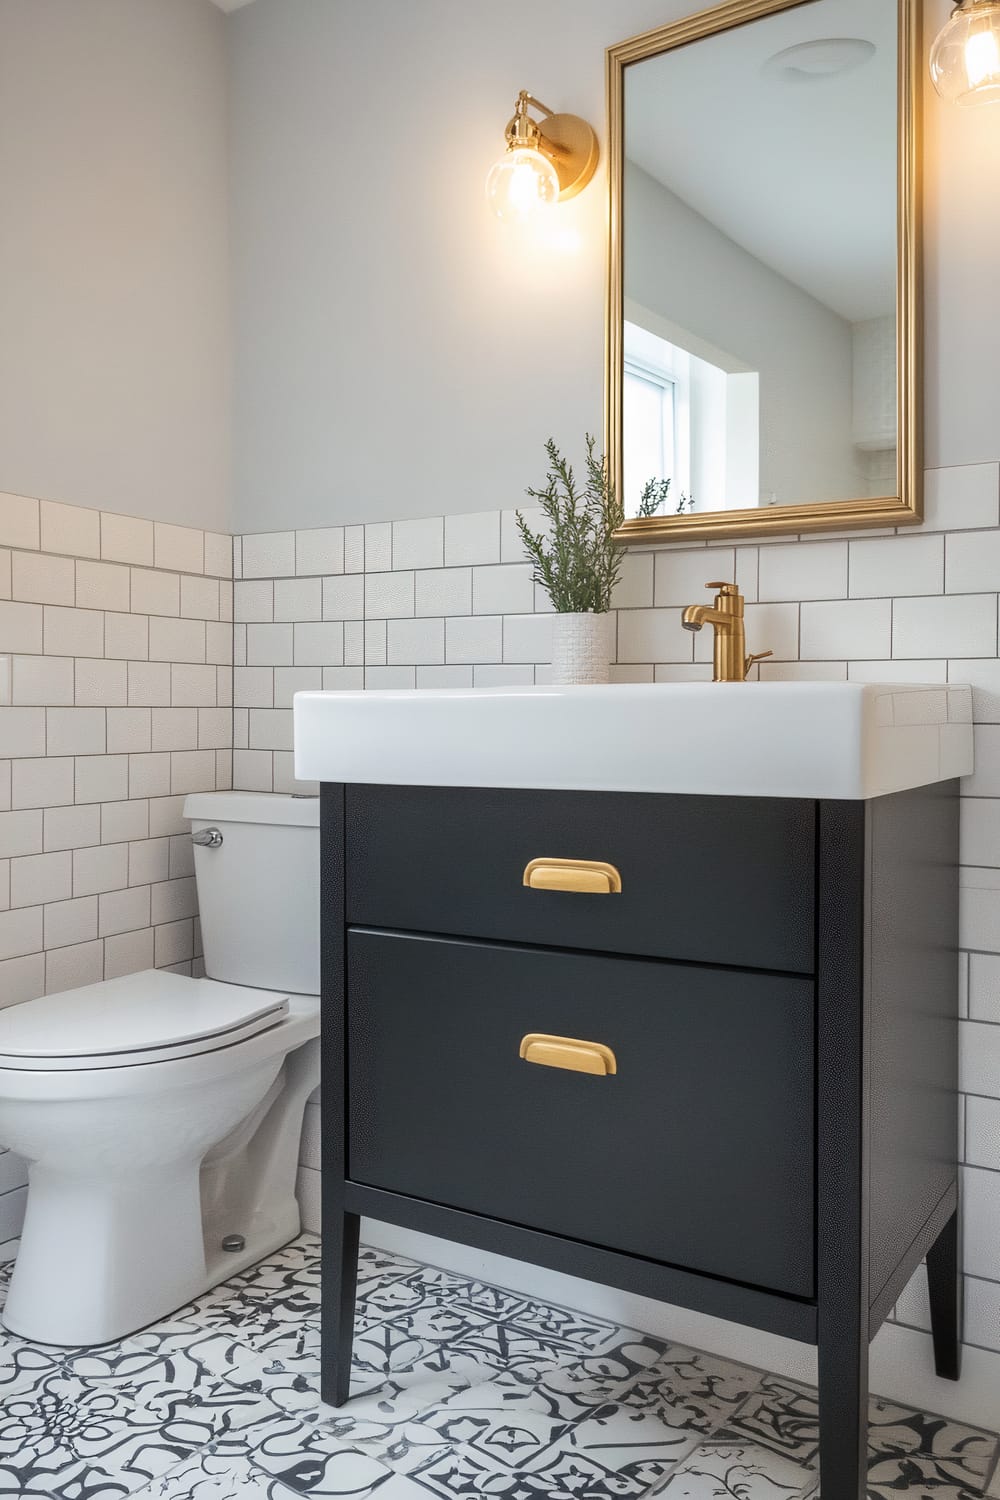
column 161, row 1115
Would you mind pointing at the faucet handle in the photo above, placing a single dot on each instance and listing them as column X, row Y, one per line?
column 760, row 656
column 724, row 587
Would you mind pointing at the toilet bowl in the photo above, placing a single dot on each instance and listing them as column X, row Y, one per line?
column 161, row 1115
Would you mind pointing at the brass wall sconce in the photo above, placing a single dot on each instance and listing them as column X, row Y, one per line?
column 546, row 161
column 965, row 57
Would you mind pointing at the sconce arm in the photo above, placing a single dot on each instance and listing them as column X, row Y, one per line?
column 535, row 103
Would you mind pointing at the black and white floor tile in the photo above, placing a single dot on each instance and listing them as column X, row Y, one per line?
column 460, row 1390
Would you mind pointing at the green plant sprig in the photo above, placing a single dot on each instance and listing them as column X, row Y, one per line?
column 578, row 563
column 655, row 493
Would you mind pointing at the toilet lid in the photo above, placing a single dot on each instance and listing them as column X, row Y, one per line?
column 147, row 1017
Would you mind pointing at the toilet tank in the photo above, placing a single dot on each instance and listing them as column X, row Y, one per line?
column 258, row 889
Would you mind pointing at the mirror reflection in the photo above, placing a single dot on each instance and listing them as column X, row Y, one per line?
column 759, row 253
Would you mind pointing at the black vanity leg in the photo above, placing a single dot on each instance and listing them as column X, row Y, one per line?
column 842, row 1207
column 843, row 1415
column 944, row 1282
column 340, row 1283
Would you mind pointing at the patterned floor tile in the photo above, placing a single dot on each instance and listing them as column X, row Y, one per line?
column 497, row 1328
column 993, row 1487
column 388, row 1351
column 923, row 1474
column 401, row 1365
column 410, row 1429
column 175, row 1362
column 433, row 1329
column 899, row 1429
column 376, row 1265
column 380, row 1401
column 434, row 1323
column 508, row 1346
column 688, row 1388
column 742, row 1471
column 66, row 1437
column 573, row 1389
column 460, row 1390
column 678, row 1386
column 216, row 1476
column 172, row 1354
column 784, row 1416
column 268, row 1327
column 481, row 1419
column 510, row 1428
column 461, row 1475
column 780, row 1415
column 558, row 1472
column 590, row 1336
column 291, row 1385
column 389, row 1424
column 296, row 1345
column 267, row 1299
column 616, row 1452
column 422, row 1289
column 108, row 1421
column 306, row 1460
column 288, row 1281
column 495, row 1302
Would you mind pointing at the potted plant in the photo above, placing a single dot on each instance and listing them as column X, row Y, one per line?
column 577, row 562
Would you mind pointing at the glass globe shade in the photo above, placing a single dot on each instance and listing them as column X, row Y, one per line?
column 521, row 182
column 965, row 57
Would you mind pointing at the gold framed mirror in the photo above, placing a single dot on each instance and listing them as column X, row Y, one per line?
column 764, row 318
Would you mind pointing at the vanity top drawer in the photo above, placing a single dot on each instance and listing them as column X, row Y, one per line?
column 721, row 880
column 664, row 1110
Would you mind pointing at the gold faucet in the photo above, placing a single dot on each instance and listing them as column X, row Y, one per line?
column 729, row 659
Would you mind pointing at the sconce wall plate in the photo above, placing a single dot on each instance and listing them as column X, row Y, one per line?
column 571, row 146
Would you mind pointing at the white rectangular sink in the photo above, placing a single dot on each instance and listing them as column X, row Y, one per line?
column 776, row 739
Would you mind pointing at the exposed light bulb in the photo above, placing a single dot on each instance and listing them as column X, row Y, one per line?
column 520, row 183
column 982, row 58
column 965, row 57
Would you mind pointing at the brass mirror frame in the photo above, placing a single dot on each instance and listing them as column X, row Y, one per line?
column 906, row 507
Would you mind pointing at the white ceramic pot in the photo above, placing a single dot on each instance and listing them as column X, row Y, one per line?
column 581, row 648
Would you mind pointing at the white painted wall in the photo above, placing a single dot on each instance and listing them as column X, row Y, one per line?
column 399, row 351
column 375, row 294
column 114, row 310
column 680, row 266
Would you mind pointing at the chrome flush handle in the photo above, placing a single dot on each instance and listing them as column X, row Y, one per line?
column 211, row 838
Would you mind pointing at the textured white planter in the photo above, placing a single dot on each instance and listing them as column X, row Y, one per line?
column 581, row 648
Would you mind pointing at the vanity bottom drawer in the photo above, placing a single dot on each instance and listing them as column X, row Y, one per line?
column 697, row 1150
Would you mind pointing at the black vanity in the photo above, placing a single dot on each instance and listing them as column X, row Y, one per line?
column 760, row 1122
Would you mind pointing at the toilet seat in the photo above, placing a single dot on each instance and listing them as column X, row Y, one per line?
column 140, row 1018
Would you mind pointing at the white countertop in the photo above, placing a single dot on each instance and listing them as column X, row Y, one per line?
column 757, row 739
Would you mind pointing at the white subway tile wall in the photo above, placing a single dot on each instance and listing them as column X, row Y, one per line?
column 115, row 699
column 118, row 703
column 449, row 603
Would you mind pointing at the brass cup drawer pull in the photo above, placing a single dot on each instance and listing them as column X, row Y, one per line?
column 590, row 876
column 565, row 1052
